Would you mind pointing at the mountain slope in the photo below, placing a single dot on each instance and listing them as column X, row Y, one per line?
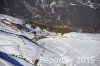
column 80, row 14
column 17, row 39
column 23, row 45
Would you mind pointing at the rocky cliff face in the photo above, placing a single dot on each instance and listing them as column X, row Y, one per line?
column 80, row 14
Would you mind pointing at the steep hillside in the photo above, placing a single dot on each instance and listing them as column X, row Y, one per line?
column 17, row 39
column 79, row 14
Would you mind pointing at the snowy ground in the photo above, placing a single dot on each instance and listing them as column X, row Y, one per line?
column 74, row 46
column 18, row 49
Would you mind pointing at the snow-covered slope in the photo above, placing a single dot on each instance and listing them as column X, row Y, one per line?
column 19, row 46
column 78, row 48
column 18, row 40
column 18, row 26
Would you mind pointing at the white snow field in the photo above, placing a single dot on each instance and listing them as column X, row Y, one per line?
column 17, row 47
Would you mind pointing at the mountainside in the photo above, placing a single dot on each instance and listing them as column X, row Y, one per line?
column 21, row 44
column 79, row 14
column 18, row 45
